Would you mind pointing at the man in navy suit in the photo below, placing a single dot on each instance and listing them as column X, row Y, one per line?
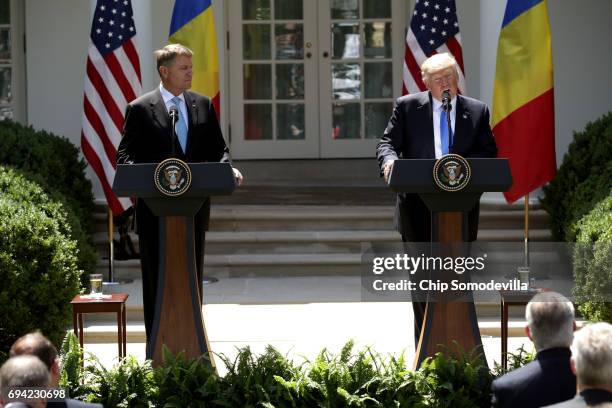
column 548, row 379
column 415, row 131
column 148, row 137
column 592, row 363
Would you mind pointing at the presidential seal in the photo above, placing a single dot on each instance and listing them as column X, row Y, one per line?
column 452, row 172
column 172, row 177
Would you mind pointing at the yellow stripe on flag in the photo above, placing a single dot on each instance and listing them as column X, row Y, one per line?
column 199, row 36
column 524, row 62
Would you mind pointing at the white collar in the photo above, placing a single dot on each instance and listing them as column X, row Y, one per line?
column 437, row 105
column 167, row 96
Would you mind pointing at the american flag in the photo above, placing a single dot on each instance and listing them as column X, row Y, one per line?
column 112, row 81
column 434, row 28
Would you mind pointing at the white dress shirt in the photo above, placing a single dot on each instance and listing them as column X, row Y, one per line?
column 437, row 111
column 167, row 97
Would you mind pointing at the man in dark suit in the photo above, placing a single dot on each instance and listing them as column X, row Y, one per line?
column 148, row 137
column 418, row 130
column 592, row 363
column 36, row 344
column 547, row 379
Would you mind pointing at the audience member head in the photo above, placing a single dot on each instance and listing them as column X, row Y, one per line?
column 592, row 356
column 38, row 345
column 23, row 371
column 550, row 321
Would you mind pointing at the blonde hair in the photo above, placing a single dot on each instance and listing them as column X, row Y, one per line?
column 167, row 55
column 438, row 62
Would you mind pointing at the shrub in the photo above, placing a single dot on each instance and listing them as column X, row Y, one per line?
column 587, row 159
column 593, row 262
column 38, row 268
column 54, row 163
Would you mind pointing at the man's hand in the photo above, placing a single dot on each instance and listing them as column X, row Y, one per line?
column 387, row 168
column 237, row 176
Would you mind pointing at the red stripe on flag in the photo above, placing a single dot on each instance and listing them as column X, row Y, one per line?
column 96, row 123
column 132, row 54
column 105, row 96
column 414, row 68
column 216, row 101
column 455, row 48
column 526, row 138
column 96, row 165
column 119, row 75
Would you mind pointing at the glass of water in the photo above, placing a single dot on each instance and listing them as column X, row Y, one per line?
column 95, row 281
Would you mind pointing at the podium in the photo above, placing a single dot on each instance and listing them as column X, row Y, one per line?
column 447, row 320
column 178, row 322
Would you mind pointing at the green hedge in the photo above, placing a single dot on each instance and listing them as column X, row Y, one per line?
column 593, row 262
column 583, row 179
column 38, row 265
column 348, row 379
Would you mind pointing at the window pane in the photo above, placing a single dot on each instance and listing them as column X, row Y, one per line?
column 288, row 9
column 5, row 86
column 6, row 112
column 378, row 80
column 5, row 45
column 346, row 121
column 256, row 41
column 255, row 9
column 257, row 81
column 377, row 40
column 376, row 118
column 376, row 9
column 289, row 39
column 346, row 81
column 345, row 40
column 290, row 81
column 345, row 9
column 290, row 121
column 258, row 121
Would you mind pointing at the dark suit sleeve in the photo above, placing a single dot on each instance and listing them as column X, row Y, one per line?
column 391, row 143
column 217, row 150
column 485, row 145
column 126, row 153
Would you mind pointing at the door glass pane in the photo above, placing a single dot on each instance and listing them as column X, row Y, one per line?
column 257, row 81
column 345, row 40
column 378, row 79
column 376, row 118
column 288, row 9
column 377, row 43
column 5, row 85
column 346, row 119
column 5, row 45
column 289, row 39
column 290, row 81
column 255, row 9
column 290, row 121
column 256, row 41
column 258, row 121
column 376, row 8
column 346, row 81
column 345, row 9
column 6, row 112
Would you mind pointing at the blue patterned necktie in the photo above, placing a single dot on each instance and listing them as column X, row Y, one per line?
column 444, row 132
column 180, row 125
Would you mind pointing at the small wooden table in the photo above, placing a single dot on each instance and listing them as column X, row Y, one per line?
column 511, row 298
column 113, row 304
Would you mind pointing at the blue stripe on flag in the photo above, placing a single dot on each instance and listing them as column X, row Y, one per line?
column 185, row 11
column 514, row 8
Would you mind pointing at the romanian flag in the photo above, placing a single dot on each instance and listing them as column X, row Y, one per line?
column 193, row 25
column 523, row 97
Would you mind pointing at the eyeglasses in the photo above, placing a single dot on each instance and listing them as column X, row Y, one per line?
column 442, row 79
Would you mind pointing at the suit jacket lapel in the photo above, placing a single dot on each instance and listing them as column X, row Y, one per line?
column 425, row 121
column 159, row 112
column 462, row 117
column 192, row 113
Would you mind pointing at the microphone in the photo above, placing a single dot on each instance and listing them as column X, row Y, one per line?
column 446, row 101
column 173, row 112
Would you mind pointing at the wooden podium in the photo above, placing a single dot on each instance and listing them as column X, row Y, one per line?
column 178, row 322
column 446, row 319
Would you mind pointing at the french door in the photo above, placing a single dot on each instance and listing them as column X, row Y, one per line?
column 313, row 78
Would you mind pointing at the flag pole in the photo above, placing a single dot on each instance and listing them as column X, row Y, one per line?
column 527, row 230
column 111, row 249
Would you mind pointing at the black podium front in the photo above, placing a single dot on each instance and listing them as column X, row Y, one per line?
column 178, row 322
column 447, row 321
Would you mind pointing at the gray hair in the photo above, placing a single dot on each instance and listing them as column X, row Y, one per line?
column 168, row 54
column 550, row 317
column 592, row 355
column 22, row 371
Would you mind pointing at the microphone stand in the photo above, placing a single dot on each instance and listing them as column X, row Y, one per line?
column 173, row 112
